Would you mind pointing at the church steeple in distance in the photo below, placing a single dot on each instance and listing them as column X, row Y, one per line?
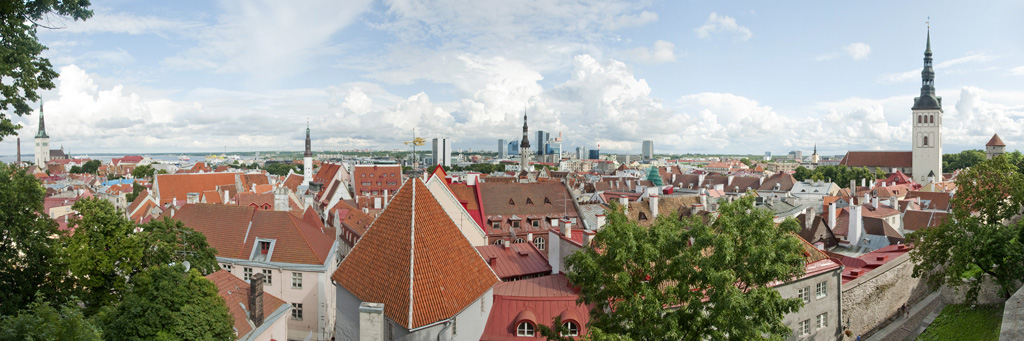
column 928, row 100
column 309, row 150
column 526, row 140
column 42, row 124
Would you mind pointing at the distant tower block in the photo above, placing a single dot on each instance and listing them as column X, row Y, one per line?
column 648, row 149
column 994, row 147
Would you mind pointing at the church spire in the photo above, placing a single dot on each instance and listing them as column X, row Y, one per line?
column 42, row 124
column 309, row 151
column 928, row 100
column 525, row 143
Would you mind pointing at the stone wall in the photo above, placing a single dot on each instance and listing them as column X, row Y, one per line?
column 988, row 294
column 1013, row 318
column 874, row 299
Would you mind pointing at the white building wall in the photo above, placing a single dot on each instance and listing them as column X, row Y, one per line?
column 927, row 158
column 456, row 212
column 468, row 324
column 42, row 152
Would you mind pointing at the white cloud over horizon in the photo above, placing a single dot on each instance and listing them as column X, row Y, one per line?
column 723, row 24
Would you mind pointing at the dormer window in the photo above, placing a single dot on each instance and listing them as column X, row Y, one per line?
column 529, row 201
column 525, row 329
column 511, row 202
column 535, row 223
column 264, row 248
column 547, row 201
column 643, row 216
column 515, row 224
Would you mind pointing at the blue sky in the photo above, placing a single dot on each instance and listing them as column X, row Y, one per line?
column 694, row 76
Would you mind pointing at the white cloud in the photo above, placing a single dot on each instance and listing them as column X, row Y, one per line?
column 268, row 40
column 725, row 24
column 124, row 23
column 971, row 57
column 662, row 52
column 858, row 51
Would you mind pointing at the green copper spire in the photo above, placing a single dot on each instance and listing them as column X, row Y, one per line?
column 928, row 100
column 42, row 124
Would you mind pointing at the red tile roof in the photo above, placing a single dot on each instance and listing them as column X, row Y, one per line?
column 170, row 186
column 935, row 200
column 235, row 292
column 233, row 230
column 293, row 181
column 258, row 200
column 857, row 267
column 537, row 300
column 415, row 261
column 885, row 159
column 995, row 141
column 919, row 220
column 517, row 260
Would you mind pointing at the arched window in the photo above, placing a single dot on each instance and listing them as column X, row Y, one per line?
column 519, row 240
column 539, row 243
column 918, row 118
column 497, row 242
column 525, row 329
column 925, row 141
column 572, row 328
column 931, row 118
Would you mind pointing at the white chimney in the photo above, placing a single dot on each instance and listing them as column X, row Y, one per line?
column 376, row 203
column 554, row 252
column 600, row 221
column 863, row 182
column 281, row 199
column 653, row 202
column 853, row 190
column 174, row 201
column 371, row 321
column 673, row 178
column 867, row 198
column 625, row 204
column 832, row 216
column 566, row 226
column 704, row 198
column 874, row 202
column 894, row 203
column 856, row 225
column 728, row 180
column 529, row 237
column 225, row 197
column 385, row 198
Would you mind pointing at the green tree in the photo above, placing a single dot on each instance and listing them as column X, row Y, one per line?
column 42, row 321
column 91, row 166
column 162, row 171
column 879, row 173
column 169, row 303
column 143, row 172
column 979, row 238
column 170, row 241
column 136, row 190
column 280, row 168
column 29, row 255
column 22, row 66
column 961, row 160
column 746, row 161
column 76, row 170
column 717, row 285
column 102, row 253
column 802, row 173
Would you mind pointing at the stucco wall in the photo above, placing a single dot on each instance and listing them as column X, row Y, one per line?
column 469, row 323
column 454, row 209
column 877, row 296
column 828, row 304
column 346, row 327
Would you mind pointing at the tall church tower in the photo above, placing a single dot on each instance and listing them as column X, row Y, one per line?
column 927, row 122
column 524, row 148
column 42, row 143
column 307, row 161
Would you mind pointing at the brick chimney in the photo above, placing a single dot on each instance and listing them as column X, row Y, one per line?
column 256, row 299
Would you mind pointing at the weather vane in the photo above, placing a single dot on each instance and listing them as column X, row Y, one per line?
column 928, row 22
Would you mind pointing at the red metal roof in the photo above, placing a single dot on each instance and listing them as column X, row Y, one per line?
column 516, row 260
column 537, row 300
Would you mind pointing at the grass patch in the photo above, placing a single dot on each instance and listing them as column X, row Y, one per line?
column 960, row 322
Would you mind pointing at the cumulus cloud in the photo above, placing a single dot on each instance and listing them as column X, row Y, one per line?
column 722, row 24
column 858, row 51
column 1018, row 70
column 662, row 52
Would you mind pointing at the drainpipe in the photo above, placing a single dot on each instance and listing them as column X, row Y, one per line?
column 446, row 326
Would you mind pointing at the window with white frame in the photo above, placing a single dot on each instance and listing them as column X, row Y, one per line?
column 535, row 223
column 519, row 240
column 266, row 277
column 821, row 289
column 539, row 242
column 805, row 294
column 297, row 311
column 498, row 242
column 515, row 224
column 296, row 280
column 496, row 225
column 246, row 273
column 525, row 329
column 805, row 327
column 572, row 329
column 822, row 320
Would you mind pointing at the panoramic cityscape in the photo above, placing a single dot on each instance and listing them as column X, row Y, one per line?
column 607, row 170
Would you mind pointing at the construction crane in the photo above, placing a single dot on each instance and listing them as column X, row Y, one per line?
column 416, row 141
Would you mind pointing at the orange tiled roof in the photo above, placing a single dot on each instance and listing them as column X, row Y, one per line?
column 233, row 230
column 293, row 181
column 415, row 261
column 995, row 141
column 885, row 159
column 170, row 186
column 235, row 292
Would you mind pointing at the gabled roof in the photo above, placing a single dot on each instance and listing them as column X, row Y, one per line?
column 293, row 181
column 171, row 186
column 919, row 220
column 935, row 200
column 996, row 141
column 416, row 261
column 233, row 231
column 526, row 199
column 784, row 180
column 235, row 292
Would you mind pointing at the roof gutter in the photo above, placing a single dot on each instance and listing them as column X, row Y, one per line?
column 447, row 324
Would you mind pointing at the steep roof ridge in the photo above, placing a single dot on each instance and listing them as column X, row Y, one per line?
column 372, row 223
column 247, row 229
column 412, row 250
column 293, row 219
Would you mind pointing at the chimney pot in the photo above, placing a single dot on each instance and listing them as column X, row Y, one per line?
column 256, row 299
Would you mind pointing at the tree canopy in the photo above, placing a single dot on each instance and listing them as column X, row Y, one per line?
column 28, row 254
column 169, row 303
column 170, row 241
column 980, row 237
column 22, row 67
column 91, row 166
column 103, row 252
column 840, row 175
column 690, row 279
column 42, row 321
column 281, row 168
column 143, row 172
column 961, row 160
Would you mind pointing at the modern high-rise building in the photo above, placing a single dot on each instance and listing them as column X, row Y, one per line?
column 595, row 154
column 648, row 149
column 513, row 148
column 442, row 152
column 502, row 149
column 581, row 153
column 542, row 142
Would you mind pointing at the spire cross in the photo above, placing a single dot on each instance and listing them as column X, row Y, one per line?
column 928, row 22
